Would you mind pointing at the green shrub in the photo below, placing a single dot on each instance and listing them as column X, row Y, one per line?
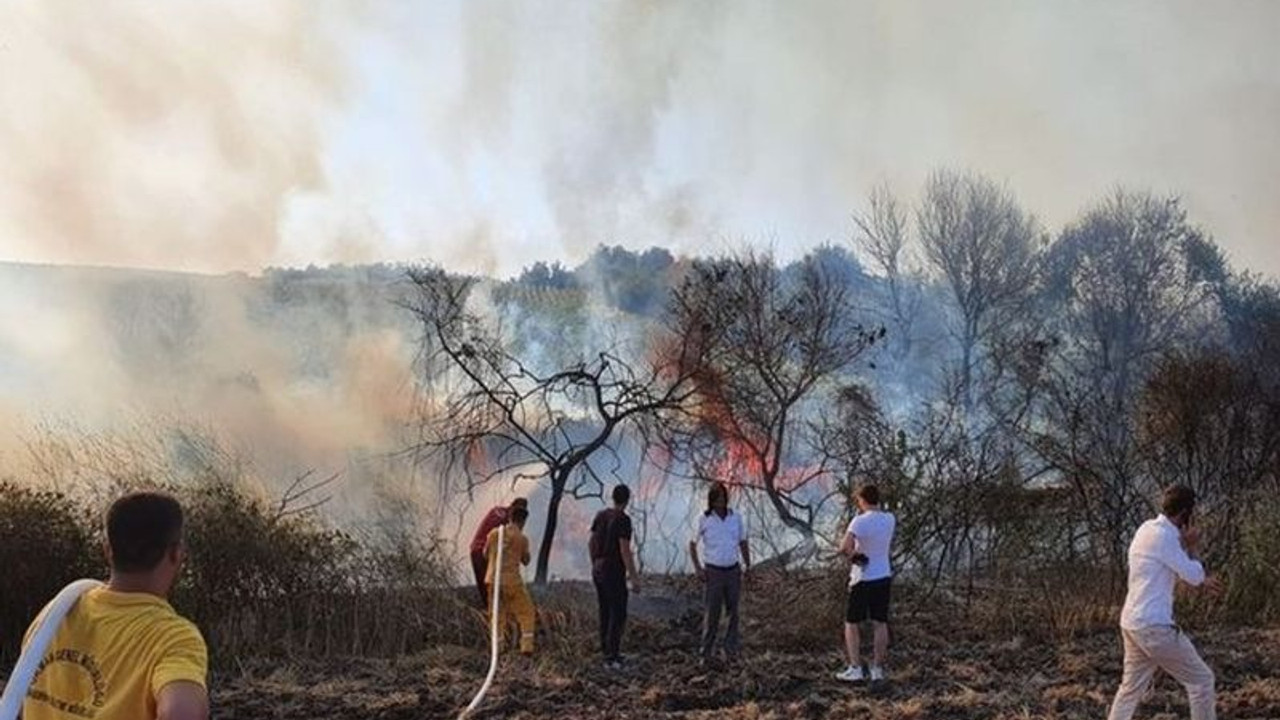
column 46, row 541
column 259, row 580
column 1253, row 573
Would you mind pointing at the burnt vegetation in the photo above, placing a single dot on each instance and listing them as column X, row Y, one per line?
column 1022, row 394
column 1019, row 393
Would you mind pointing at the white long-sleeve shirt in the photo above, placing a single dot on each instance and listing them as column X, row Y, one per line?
column 1156, row 561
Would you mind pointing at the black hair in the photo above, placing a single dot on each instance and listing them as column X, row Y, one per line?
column 718, row 489
column 621, row 495
column 141, row 528
column 519, row 514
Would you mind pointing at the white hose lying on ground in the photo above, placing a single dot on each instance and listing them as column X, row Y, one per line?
column 494, row 630
column 15, row 691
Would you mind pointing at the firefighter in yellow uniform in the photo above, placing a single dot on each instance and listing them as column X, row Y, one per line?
column 516, row 605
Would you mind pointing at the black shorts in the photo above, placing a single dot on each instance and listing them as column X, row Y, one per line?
column 868, row 599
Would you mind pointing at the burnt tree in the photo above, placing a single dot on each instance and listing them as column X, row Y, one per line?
column 544, row 425
column 770, row 341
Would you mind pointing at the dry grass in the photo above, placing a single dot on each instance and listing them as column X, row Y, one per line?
column 942, row 667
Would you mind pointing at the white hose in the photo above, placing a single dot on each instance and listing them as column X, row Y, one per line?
column 493, row 629
column 15, row 691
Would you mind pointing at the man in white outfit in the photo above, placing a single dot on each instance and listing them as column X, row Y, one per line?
column 867, row 543
column 1162, row 552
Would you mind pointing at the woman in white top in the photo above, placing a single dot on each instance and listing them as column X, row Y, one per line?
column 722, row 537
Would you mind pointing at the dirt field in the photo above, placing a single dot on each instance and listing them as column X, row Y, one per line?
column 940, row 668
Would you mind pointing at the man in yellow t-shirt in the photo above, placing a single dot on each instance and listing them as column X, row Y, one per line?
column 516, row 605
column 122, row 653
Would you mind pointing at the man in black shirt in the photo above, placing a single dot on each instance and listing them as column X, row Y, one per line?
column 612, row 564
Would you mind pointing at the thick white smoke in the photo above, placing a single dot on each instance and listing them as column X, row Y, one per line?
column 491, row 134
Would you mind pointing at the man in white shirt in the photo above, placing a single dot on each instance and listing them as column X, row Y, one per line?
column 1162, row 552
column 722, row 538
column 867, row 543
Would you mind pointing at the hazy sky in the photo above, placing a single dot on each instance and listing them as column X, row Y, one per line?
column 218, row 136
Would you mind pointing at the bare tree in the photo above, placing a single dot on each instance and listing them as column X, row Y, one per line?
column 981, row 243
column 1122, row 291
column 937, row 481
column 881, row 239
column 856, row 437
column 861, row 446
column 1124, row 279
column 768, row 341
column 490, row 414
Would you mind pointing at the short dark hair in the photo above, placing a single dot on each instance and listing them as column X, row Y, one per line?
column 1177, row 499
column 141, row 528
column 718, row 489
column 520, row 503
column 519, row 513
column 621, row 495
column 870, row 494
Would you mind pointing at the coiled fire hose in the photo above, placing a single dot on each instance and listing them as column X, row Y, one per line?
column 15, row 691
column 494, row 630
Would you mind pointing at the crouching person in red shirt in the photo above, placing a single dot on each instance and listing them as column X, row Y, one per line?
column 479, row 563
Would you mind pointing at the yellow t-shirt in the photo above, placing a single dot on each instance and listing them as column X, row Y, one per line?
column 515, row 547
column 111, row 657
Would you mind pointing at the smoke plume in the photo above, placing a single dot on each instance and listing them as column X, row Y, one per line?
column 489, row 134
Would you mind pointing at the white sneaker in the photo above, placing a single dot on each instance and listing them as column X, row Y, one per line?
column 853, row 673
column 877, row 673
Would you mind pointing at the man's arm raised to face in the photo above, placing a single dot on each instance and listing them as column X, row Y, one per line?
column 182, row 700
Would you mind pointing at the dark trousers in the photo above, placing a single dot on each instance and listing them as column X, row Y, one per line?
column 480, row 565
column 724, row 588
column 611, row 592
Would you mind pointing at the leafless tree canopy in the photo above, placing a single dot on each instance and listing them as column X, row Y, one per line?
column 1045, row 391
column 982, row 244
column 492, row 414
column 769, row 344
column 1125, row 292
column 882, row 238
